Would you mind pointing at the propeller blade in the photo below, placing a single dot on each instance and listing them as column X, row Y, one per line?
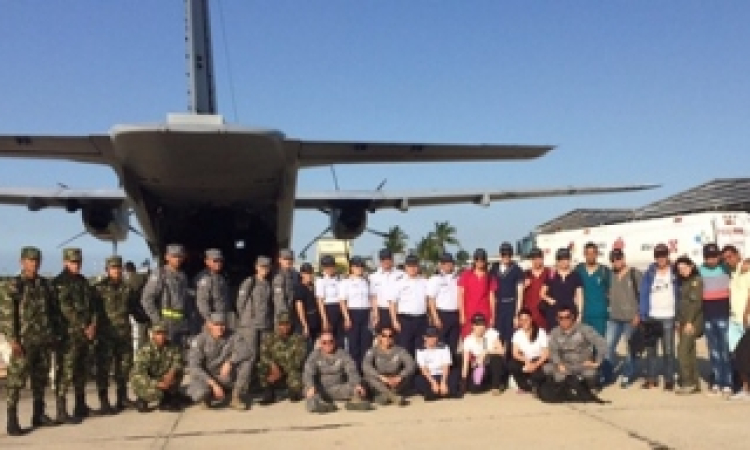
column 307, row 247
column 377, row 233
column 382, row 183
column 81, row 234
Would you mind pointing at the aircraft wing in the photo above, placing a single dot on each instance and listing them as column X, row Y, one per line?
column 316, row 153
column 375, row 200
column 87, row 149
column 62, row 197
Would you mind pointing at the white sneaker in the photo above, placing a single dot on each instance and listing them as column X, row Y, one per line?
column 727, row 393
column 742, row 395
column 715, row 391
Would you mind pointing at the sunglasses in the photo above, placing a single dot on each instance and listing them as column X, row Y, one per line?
column 326, row 342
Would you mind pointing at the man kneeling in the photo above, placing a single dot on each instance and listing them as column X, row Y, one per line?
column 282, row 355
column 388, row 369
column 219, row 360
column 572, row 349
column 436, row 379
column 330, row 374
column 157, row 372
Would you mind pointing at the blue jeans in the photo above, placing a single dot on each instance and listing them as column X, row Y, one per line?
column 667, row 353
column 718, row 350
column 615, row 331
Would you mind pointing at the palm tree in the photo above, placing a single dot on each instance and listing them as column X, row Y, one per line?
column 444, row 234
column 428, row 249
column 395, row 240
column 462, row 257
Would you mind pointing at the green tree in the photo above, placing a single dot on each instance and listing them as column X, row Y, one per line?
column 444, row 235
column 462, row 258
column 395, row 240
column 428, row 250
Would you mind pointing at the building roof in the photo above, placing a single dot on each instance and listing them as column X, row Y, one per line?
column 722, row 194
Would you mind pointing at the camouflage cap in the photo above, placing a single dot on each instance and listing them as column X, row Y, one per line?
column 217, row 318
column 175, row 250
column 31, row 253
column 286, row 253
column 159, row 327
column 214, row 253
column 72, row 254
column 283, row 317
column 114, row 261
column 263, row 261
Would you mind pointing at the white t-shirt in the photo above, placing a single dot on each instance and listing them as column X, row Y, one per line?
column 356, row 293
column 443, row 288
column 530, row 350
column 327, row 288
column 434, row 359
column 410, row 296
column 480, row 346
column 382, row 282
column 662, row 296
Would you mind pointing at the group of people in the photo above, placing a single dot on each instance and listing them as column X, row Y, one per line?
column 363, row 338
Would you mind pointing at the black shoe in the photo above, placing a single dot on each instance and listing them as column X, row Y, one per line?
column 81, row 409
column 268, row 398
column 63, row 418
column 14, row 428
column 295, row 396
column 39, row 418
column 669, row 386
column 141, row 406
column 123, row 402
column 105, row 408
column 170, row 403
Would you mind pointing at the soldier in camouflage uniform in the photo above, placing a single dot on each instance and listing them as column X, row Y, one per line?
column 118, row 301
column 254, row 306
column 157, row 372
column 78, row 317
column 282, row 355
column 165, row 296
column 137, row 281
column 219, row 360
column 284, row 281
column 330, row 374
column 212, row 288
column 28, row 321
column 388, row 369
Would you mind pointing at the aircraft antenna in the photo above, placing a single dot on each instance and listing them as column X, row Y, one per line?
column 200, row 65
column 230, row 76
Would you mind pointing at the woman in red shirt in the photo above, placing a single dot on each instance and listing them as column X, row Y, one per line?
column 476, row 292
column 533, row 282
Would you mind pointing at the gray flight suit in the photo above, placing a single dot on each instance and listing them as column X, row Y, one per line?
column 206, row 357
column 572, row 349
column 254, row 312
column 333, row 376
column 392, row 362
column 165, row 298
column 211, row 294
column 284, row 282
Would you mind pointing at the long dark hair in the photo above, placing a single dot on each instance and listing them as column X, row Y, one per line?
column 534, row 326
column 690, row 263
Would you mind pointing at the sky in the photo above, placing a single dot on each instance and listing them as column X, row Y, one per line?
column 629, row 92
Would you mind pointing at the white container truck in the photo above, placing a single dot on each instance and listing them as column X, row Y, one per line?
column 684, row 235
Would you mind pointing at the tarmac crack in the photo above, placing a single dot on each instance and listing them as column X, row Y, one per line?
column 652, row 443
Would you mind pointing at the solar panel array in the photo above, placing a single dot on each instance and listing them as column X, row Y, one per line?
column 723, row 194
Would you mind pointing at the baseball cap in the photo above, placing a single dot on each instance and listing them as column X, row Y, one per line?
column 159, row 327
column 286, row 254
column 431, row 332
column 711, row 251
column 506, row 248
column 411, row 260
column 114, row 261
column 536, row 253
column 446, row 258
column 356, row 261
column 214, row 253
column 562, row 253
column 616, row 254
column 327, row 261
column 478, row 319
column 480, row 253
column 263, row 261
column 31, row 253
column 72, row 254
column 385, row 254
column 283, row 317
column 175, row 250
column 306, row 268
column 217, row 318
column 661, row 250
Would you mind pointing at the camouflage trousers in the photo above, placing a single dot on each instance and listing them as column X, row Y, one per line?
column 34, row 365
column 291, row 374
column 114, row 351
column 73, row 358
column 145, row 388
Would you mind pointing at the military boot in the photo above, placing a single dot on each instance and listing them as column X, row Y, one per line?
column 14, row 428
column 38, row 416
column 80, row 408
column 238, row 402
column 141, row 406
column 63, row 418
column 295, row 395
column 357, row 403
column 123, row 402
column 105, row 408
column 268, row 398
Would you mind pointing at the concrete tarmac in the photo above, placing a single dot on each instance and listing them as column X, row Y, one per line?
column 636, row 419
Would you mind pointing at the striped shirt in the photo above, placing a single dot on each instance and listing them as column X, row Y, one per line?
column 716, row 284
